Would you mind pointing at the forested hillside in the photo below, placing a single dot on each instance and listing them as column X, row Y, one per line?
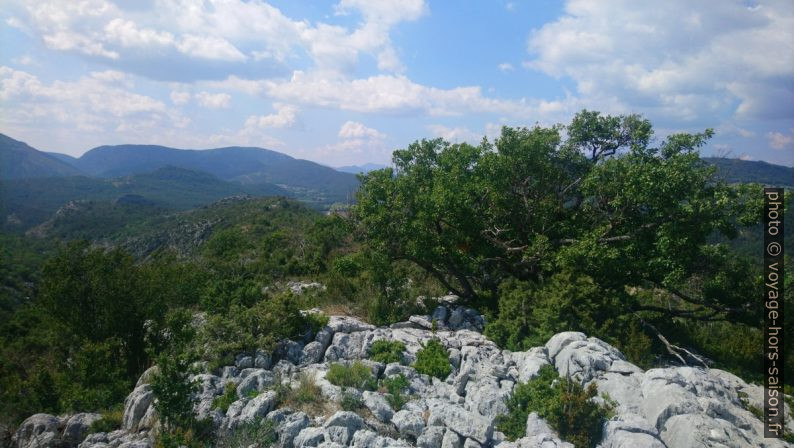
column 595, row 230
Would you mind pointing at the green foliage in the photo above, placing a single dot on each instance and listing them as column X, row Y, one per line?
column 355, row 375
column 316, row 321
column 110, row 421
column 246, row 329
column 259, row 433
column 173, row 392
column 432, row 359
column 396, row 386
column 229, row 396
column 563, row 403
column 350, row 401
column 387, row 351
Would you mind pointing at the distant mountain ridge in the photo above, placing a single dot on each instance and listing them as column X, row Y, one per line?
column 737, row 170
column 18, row 160
column 365, row 168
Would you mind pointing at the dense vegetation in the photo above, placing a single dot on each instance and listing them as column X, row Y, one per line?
column 598, row 231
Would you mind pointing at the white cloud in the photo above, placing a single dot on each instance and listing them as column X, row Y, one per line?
column 454, row 135
column 505, row 67
column 213, row 100
column 97, row 103
column 354, row 129
column 779, row 140
column 285, row 116
column 178, row 97
column 681, row 59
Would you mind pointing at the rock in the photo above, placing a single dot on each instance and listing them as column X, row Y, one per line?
column 465, row 423
column 408, row 423
column 346, row 346
column 629, row 431
column 147, row 375
column 255, row 381
column 486, row 397
column 560, row 340
column 135, row 407
column 345, row 419
column 292, row 425
column 451, row 440
column 259, row 406
column 539, row 434
column 244, row 362
column 470, row 443
column 262, row 359
column 312, row 353
column 431, row 437
column 456, row 318
column 440, row 314
column 530, row 362
column 290, row 350
column 77, row 427
column 422, row 321
column 38, row 431
column 347, row 324
column 309, row 437
column 378, row 406
column 585, row 360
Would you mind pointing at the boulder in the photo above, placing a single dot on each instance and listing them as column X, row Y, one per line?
column 347, row 324
column 309, row 437
column 292, row 425
column 431, row 437
column 38, row 431
column 258, row 407
column 135, row 407
column 465, row 423
column 629, row 431
column 378, row 406
column 408, row 423
column 451, row 439
column 77, row 427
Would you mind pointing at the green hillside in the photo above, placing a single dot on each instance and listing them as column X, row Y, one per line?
column 18, row 160
column 743, row 171
column 28, row 202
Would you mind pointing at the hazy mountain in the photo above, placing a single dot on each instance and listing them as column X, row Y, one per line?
column 307, row 180
column 737, row 170
column 62, row 157
column 18, row 160
column 365, row 168
column 28, row 202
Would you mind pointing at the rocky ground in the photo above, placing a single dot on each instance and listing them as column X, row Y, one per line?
column 675, row 407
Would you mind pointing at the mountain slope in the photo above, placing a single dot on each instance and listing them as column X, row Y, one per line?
column 27, row 202
column 737, row 170
column 365, row 168
column 18, row 160
column 307, row 180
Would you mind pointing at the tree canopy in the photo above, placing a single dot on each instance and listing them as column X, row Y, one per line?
column 600, row 197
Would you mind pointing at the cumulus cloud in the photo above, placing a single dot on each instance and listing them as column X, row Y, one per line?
column 285, row 116
column 778, row 140
column 681, row 59
column 178, row 97
column 354, row 129
column 98, row 102
column 505, row 67
column 213, row 100
column 454, row 134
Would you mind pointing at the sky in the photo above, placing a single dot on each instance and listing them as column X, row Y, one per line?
column 349, row 81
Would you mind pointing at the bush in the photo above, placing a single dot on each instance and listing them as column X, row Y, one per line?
column 433, row 360
column 563, row 403
column 350, row 401
column 395, row 386
column 356, row 375
column 306, row 397
column 110, row 421
column 259, row 433
column 387, row 351
column 229, row 396
column 316, row 321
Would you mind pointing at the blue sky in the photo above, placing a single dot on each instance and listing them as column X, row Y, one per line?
column 349, row 81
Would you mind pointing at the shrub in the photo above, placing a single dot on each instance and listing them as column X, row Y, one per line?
column 395, row 386
column 356, row 375
column 110, row 421
column 259, row 433
column 433, row 360
column 350, row 401
column 387, row 351
column 563, row 403
column 229, row 396
column 316, row 321
column 306, row 397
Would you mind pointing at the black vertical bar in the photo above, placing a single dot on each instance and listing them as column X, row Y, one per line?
column 773, row 313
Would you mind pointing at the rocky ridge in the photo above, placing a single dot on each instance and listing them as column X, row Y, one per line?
column 673, row 407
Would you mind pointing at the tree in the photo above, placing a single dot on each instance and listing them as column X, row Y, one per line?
column 601, row 202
